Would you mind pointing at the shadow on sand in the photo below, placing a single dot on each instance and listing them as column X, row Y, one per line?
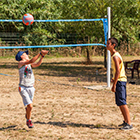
column 71, row 124
column 13, row 127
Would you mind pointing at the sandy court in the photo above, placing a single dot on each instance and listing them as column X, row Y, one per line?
column 62, row 108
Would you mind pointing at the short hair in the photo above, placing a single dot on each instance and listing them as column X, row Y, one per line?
column 114, row 41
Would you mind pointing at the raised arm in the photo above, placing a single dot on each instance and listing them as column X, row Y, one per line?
column 33, row 59
column 25, row 62
column 42, row 53
column 38, row 63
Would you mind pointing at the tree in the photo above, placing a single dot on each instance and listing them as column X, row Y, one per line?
column 124, row 20
column 38, row 33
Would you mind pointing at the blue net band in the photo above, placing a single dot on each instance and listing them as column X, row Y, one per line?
column 51, row 46
column 59, row 20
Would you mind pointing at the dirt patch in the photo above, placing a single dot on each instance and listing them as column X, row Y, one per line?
column 62, row 107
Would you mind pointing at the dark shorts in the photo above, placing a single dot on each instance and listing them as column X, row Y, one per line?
column 120, row 94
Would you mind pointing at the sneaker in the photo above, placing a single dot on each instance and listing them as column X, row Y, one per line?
column 29, row 124
column 123, row 124
column 127, row 127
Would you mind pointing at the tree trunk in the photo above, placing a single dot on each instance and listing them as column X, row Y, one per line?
column 88, row 62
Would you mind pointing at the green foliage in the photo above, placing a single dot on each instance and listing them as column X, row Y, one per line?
column 125, row 19
column 125, row 23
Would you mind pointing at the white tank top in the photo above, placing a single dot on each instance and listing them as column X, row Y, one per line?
column 26, row 76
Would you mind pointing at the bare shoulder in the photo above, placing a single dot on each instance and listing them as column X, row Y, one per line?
column 117, row 59
column 19, row 65
column 22, row 63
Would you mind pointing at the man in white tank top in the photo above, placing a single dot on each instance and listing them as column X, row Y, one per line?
column 26, row 79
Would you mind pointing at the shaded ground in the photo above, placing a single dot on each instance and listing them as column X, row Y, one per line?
column 63, row 109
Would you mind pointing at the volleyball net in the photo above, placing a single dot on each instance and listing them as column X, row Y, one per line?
column 56, row 36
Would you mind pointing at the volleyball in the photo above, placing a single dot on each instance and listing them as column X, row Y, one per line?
column 28, row 19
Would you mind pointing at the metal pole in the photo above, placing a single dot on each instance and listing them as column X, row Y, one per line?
column 108, row 52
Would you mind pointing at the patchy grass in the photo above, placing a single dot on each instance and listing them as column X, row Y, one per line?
column 62, row 108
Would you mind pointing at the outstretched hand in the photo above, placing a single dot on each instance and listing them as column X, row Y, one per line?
column 44, row 52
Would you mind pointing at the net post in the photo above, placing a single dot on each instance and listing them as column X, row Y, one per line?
column 108, row 52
